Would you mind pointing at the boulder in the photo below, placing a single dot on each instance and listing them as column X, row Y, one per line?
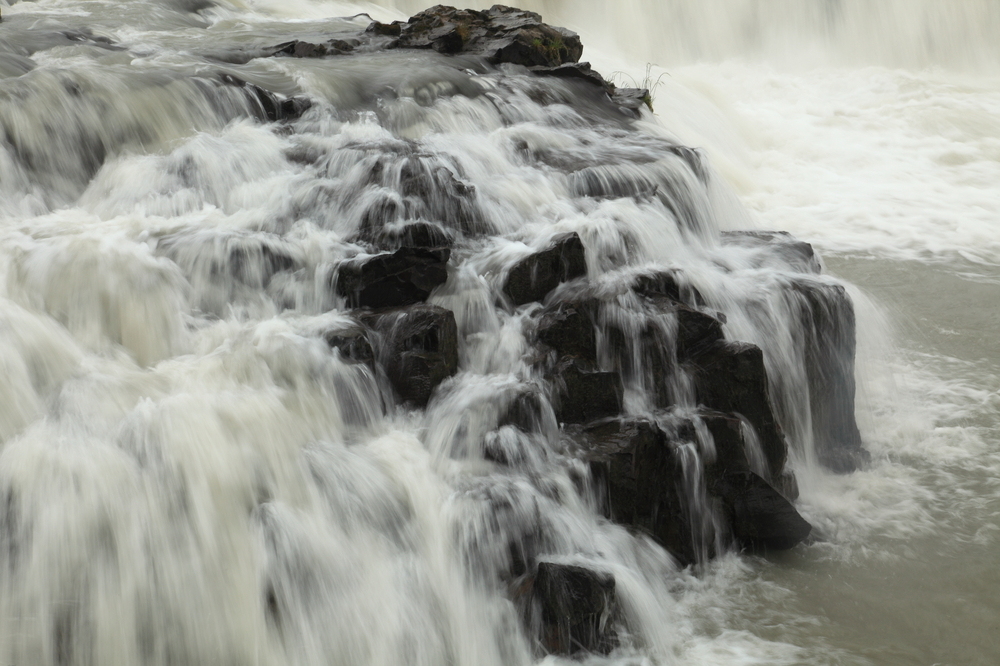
column 393, row 279
column 631, row 100
column 670, row 284
column 266, row 105
column 300, row 49
column 417, row 346
column 827, row 317
column 568, row 328
column 413, row 234
column 500, row 35
column 585, row 395
column 536, row 275
column 576, row 607
column 731, row 377
column 760, row 517
column 352, row 343
column 777, row 249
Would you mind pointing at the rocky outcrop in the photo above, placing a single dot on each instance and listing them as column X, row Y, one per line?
column 417, row 346
column 574, row 608
column 731, row 377
column 393, row 279
column 266, row 105
column 532, row 278
column 499, row 34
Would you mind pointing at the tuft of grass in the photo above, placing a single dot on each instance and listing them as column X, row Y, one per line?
column 648, row 83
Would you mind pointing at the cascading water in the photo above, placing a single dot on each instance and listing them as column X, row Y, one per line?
column 209, row 456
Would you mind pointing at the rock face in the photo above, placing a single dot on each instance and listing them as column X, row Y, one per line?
column 569, row 329
column 499, row 34
column 536, row 275
column 393, row 279
column 761, row 518
column 584, row 394
column 575, row 607
column 730, row 377
column 417, row 346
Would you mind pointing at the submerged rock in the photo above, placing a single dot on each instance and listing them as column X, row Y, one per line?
column 417, row 346
column 352, row 343
column 266, row 105
column 393, row 279
column 532, row 278
column 575, row 607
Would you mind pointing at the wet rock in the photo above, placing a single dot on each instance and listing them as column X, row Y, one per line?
column 393, row 279
column 569, row 329
column 827, row 317
column 525, row 412
column 632, row 100
column 697, row 331
column 393, row 29
column 352, row 343
column 266, row 105
column 639, row 480
column 730, row 377
column 500, row 35
column 777, row 249
column 300, row 49
column 576, row 607
column 414, row 234
column 255, row 263
column 417, row 346
column 585, row 395
column 580, row 71
column 760, row 517
column 669, row 284
column 536, row 275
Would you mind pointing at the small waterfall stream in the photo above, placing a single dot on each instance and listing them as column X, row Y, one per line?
column 213, row 450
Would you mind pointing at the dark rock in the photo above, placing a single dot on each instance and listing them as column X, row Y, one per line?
column 417, row 346
column 697, row 331
column 580, row 71
column 761, row 519
column 299, row 49
column 569, row 329
column 730, row 377
column 352, row 343
column 524, row 412
column 576, row 608
column 254, row 263
column 500, row 35
column 266, row 105
column 585, row 395
column 415, row 234
column 536, row 275
column 777, row 249
column 827, row 317
column 670, row 284
column 393, row 279
column 639, row 480
column 393, row 29
column 631, row 100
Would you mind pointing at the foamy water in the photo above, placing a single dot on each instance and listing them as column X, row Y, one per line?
column 179, row 445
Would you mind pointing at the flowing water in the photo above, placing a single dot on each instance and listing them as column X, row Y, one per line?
column 189, row 475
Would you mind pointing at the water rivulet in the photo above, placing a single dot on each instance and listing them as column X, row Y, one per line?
column 354, row 343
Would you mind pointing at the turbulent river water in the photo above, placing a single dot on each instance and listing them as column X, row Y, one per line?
column 182, row 454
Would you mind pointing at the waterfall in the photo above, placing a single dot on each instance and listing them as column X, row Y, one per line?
column 394, row 356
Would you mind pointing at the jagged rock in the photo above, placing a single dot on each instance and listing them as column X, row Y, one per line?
column 569, row 329
column 631, row 100
column 586, row 395
column 414, row 234
column 576, row 607
column 500, row 34
column 266, row 105
column 581, row 71
column 760, row 517
column 777, row 249
column 827, row 317
column 670, row 284
column 730, row 377
column 393, row 279
column 300, row 49
column 352, row 343
column 536, row 275
column 417, row 346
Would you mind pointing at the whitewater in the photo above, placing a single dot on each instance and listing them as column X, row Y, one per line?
column 189, row 476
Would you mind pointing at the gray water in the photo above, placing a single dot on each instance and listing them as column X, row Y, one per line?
column 189, row 475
